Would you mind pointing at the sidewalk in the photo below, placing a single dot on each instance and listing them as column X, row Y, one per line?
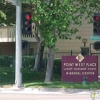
column 46, row 91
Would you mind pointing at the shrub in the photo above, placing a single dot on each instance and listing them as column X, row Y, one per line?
column 5, row 61
column 9, row 61
column 57, row 66
column 28, row 63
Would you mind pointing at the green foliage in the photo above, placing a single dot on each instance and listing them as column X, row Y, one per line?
column 7, row 13
column 58, row 18
column 29, row 75
column 36, row 79
column 65, row 85
column 78, row 37
column 2, row 15
column 57, row 66
column 6, row 61
column 7, row 75
column 28, row 62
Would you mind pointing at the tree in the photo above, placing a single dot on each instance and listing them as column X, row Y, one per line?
column 2, row 14
column 7, row 13
column 40, row 49
column 8, row 16
column 58, row 18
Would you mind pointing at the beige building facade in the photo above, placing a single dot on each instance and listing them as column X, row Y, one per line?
column 85, row 31
column 7, row 41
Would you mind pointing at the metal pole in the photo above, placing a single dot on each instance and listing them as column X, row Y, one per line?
column 71, row 52
column 18, row 54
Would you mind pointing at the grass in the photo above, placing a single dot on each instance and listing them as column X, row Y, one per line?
column 36, row 79
column 94, row 85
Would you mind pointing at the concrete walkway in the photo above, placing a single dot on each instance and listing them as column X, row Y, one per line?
column 46, row 91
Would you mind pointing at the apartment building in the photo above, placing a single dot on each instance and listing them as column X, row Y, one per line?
column 7, row 41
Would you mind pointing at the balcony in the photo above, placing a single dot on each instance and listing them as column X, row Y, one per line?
column 8, row 34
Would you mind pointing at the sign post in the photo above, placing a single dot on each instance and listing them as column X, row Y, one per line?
column 18, row 40
column 18, row 70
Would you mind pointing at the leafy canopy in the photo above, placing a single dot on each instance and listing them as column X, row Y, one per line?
column 55, row 18
column 58, row 18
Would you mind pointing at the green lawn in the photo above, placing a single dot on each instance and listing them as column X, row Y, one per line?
column 36, row 79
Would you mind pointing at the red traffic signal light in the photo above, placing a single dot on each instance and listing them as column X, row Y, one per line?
column 28, row 17
column 96, row 18
column 96, row 24
column 27, row 23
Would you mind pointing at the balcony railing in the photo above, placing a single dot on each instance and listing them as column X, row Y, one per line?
column 8, row 34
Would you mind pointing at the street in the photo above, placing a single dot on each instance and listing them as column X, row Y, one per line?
column 46, row 97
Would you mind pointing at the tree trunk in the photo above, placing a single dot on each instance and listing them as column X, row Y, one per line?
column 40, row 68
column 50, row 64
column 39, row 56
column 39, row 47
column 37, row 60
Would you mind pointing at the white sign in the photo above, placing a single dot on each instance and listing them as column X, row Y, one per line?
column 14, row 2
column 79, row 57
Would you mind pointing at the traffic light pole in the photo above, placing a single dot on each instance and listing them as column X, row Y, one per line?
column 18, row 52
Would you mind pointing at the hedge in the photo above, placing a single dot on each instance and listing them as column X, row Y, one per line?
column 28, row 62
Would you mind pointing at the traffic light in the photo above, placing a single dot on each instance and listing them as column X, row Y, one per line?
column 96, row 24
column 96, row 45
column 27, row 23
